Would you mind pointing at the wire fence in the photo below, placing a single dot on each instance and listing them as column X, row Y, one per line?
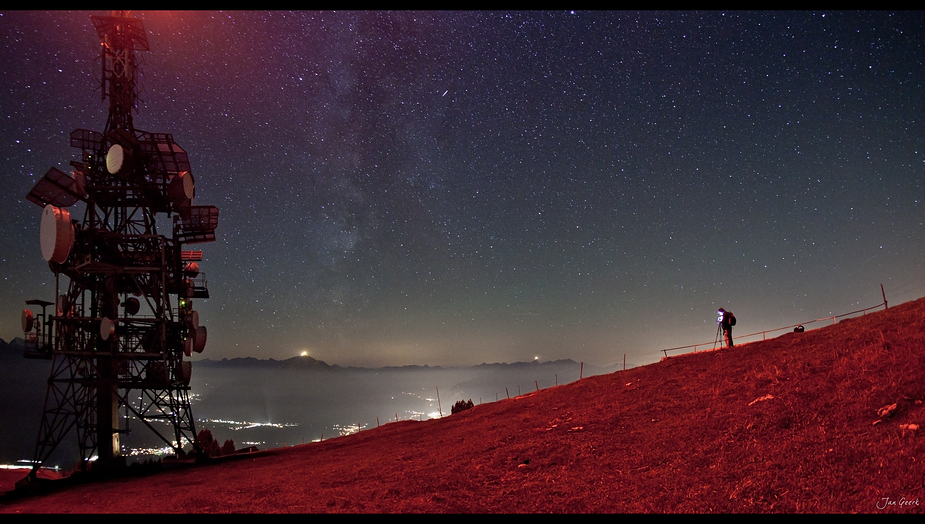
column 764, row 334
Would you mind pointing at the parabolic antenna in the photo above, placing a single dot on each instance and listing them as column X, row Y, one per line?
column 57, row 234
column 132, row 305
column 107, row 328
column 191, row 269
column 115, row 159
column 182, row 188
column 200, row 339
column 27, row 320
column 192, row 320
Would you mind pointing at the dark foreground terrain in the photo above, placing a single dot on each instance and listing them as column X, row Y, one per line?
column 822, row 421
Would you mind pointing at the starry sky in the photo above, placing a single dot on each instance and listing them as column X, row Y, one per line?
column 452, row 188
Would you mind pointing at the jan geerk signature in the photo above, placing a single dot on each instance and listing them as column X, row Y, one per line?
column 903, row 502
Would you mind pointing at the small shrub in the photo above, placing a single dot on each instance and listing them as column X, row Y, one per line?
column 461, row 405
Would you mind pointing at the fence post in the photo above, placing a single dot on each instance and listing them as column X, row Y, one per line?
column 439, row 408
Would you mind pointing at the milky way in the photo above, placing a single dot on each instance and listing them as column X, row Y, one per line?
column 451, row 188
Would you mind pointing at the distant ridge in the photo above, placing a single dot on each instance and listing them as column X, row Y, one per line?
column 15, row 348
column 251, row 362
column 532, row 363
column 306, row 362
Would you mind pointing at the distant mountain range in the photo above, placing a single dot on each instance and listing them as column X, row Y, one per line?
column 309, row 362
column 15, row 348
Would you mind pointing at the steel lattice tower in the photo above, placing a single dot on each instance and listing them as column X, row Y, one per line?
column 123, row 319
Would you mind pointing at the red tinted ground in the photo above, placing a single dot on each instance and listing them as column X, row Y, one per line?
column 801, row 423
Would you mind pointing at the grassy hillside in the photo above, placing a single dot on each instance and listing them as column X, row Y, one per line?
column 822, row 421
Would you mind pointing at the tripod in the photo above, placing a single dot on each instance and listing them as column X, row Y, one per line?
column 719, row 330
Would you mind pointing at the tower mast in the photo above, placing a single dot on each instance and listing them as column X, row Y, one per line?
column 124, row 319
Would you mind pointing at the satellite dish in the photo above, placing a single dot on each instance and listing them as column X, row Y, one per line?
column 191, row 269
column 132, row 306
column 192, row 320
column 114, row 159
column 57, row 234
column 200, row 339
column 107, row 328
column 182, row 188
column 28, row 320
column 188, row 346
column 119, row 161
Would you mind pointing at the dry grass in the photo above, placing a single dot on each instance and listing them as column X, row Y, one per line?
column 822, row 421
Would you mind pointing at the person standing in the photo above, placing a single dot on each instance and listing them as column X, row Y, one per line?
column 726, row 320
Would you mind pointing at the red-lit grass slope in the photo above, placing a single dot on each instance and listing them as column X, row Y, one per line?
column 799, row 423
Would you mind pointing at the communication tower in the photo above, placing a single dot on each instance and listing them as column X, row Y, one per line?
column 123, row 318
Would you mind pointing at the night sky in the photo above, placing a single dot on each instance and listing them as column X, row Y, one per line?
column 452, row 188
